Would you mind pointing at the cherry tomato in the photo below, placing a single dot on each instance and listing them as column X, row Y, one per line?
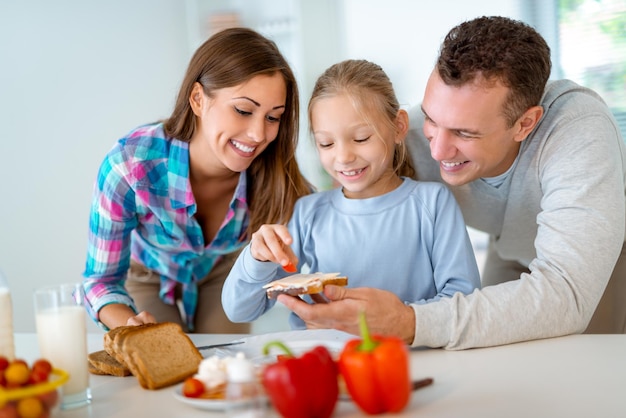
column 16, row 374
column 49, row 399
column 9, row 410
column 4, row 363
column 43, row 366
column 37, row 376
column 193, row 388
column 30, row 408
column 20, row 360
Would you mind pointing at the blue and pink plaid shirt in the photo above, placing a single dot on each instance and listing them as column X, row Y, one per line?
column 143, row 208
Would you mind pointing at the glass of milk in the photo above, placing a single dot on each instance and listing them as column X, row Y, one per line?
column 62, row 334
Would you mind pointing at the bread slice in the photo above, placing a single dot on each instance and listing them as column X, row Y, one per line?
column 114, row 338
column 139, row 374
column 159, row 355
column 109, row 342
column 109, row 338
column 94, row 370
column 300, row 284
column 107, row 364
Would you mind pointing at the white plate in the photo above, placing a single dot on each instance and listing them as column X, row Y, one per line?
column 297, row 341
column 207, row 404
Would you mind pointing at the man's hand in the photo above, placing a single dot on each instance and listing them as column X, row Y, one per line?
column 384, row 312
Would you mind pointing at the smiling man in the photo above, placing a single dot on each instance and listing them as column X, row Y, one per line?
column 538, row 165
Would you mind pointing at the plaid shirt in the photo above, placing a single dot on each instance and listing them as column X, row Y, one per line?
column 143, row 208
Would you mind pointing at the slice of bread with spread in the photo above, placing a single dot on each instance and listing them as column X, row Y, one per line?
column 158, row 355
column 300, row 284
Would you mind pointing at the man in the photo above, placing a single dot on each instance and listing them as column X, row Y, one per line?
column 540, row 166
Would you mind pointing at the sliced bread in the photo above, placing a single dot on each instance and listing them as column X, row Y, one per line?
column 109, row 343
column 159, row 355
column 114, row 338
column 104, row 363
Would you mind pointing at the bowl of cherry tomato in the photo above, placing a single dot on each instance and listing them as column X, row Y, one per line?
column 29, row 391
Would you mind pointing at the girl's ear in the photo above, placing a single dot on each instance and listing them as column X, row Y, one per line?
column 196, row 98
column 402, row 126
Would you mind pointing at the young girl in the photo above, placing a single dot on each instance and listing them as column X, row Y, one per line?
column 175, row 201
column 380, row 228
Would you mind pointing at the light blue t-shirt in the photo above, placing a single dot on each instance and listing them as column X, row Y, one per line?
column 411, row 241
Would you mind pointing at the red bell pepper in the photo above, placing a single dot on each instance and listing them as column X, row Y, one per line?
column 302, row 387
column 376, row 372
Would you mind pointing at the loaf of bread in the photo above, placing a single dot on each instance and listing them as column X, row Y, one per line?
column 158, row 355
column 300, row 284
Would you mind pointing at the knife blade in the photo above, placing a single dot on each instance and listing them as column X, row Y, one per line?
column 207, row 347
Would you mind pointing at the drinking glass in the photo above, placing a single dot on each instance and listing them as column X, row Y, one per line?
column 62, row 334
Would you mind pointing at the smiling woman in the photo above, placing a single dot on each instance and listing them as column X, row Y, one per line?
column 176, row 200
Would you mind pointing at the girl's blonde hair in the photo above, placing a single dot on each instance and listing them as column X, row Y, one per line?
column 370, row 90
column 229, row 58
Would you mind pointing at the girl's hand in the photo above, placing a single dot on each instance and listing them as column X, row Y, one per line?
column 271, row 243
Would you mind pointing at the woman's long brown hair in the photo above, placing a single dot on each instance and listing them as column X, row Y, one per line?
column 229, row 58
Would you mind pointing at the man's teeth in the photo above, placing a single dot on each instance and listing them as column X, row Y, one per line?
column 242, row 147
column 451, row 164
column 351, row 173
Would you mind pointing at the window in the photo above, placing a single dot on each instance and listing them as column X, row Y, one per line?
column 592, row 49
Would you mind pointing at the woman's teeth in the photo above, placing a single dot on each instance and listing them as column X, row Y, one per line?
column 242, row 147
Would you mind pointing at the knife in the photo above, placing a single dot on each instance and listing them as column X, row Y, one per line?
column 207, row 347
column 415, row 385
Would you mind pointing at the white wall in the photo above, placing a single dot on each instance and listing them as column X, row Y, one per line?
column 75, row 75
column 403, row 36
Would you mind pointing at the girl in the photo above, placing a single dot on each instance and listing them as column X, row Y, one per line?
column 175, row 201
column 380, row 228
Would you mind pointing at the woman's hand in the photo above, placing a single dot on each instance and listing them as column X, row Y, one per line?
column 143, row 317
column 385, row 313
column 114, row 315
column 271, row 243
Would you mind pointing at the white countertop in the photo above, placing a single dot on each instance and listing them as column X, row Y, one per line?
column 574, row 376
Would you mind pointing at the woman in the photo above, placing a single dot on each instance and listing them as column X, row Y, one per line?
column 175, row 201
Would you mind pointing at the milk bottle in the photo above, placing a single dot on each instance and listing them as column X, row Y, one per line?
column 7, row 346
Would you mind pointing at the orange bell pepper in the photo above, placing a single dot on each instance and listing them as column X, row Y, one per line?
column 376, row 372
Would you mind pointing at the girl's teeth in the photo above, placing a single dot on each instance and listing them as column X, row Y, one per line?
column 451, row 164
column 351, row 173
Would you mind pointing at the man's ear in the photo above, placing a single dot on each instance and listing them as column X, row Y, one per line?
column 197, row 98
column 402, row 125
column 527, row 122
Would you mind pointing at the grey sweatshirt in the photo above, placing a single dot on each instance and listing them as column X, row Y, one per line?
column 560, row 212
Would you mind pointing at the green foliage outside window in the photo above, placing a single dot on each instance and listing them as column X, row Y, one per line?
column 593, row 47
